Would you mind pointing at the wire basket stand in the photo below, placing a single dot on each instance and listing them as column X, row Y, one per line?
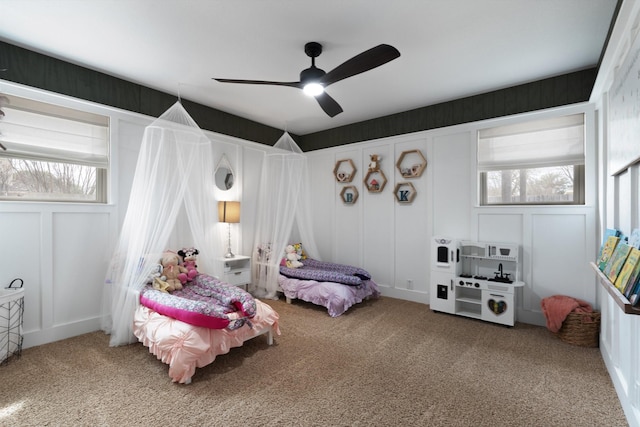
column 11, row 315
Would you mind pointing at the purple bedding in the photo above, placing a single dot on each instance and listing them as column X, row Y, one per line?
column 334, row 286
column 322, row 271
column 335, row 297
column 206, row 301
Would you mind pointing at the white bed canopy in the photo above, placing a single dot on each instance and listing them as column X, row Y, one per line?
column 171, row 206
column 283, row 214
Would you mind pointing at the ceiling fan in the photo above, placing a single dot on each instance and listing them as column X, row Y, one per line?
column 313, row 80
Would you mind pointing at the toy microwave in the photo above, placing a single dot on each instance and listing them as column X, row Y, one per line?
column 507, row 251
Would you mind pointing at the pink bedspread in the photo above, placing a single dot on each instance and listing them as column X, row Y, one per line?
column 336, row 297
column 186, row 347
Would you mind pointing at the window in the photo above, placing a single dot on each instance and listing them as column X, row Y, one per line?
column 538, row 162
column 52, row 153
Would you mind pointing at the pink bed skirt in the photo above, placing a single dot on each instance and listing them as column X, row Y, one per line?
column 186, row 347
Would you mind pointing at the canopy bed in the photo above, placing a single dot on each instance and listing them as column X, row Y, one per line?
column 190, row 327
column 337, row 287
column 284, row 204
column 172, row 205
column 337, row 298
column 285, row 216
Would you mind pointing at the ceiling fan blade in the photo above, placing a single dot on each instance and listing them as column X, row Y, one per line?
column 367, row 60
column 328, row 104
column 259, row 82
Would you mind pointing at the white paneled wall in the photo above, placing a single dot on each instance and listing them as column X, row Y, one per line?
column 76, row 241
column 251, row 161
column 125, row 145
column 551, row 255
column 377, row 220
column 618, row 208
column 410, row 276
column 321, row 171
column 61, row 253
column 22, row 257
column 452, row 183
column 347, row 226
column 390, row 239
column 620, row 332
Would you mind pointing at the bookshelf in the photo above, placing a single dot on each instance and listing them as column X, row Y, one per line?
column 620, row 299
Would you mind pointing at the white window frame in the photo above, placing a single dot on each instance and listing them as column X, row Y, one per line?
column 36, row 130
column 500, row 148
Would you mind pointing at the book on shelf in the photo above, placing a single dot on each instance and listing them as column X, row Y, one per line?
column 631, row 263
column 632, row 285
column 632, row 281
column 634, row 298
column 616, row 261
column 607, row 250
column 608, row 233
column 634, row 238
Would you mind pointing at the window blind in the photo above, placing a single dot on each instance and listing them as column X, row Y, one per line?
column 45, row 132
column 544, row 143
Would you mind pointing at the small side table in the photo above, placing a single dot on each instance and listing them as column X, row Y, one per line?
column 235, row 271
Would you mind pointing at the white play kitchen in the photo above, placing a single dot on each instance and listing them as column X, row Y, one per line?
column 475, row 279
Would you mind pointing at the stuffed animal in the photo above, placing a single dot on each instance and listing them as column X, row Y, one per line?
column 374, row 166
column 292, row 257
column 189, row 257
column 172, row 269
column 160, row 285
column 157, row 280
column 156, row 272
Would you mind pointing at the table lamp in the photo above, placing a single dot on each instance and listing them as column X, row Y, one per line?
column 229, row 212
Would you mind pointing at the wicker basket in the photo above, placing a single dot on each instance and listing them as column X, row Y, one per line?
column 581, row 329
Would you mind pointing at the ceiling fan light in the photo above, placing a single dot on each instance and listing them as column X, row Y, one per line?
column 313, row 89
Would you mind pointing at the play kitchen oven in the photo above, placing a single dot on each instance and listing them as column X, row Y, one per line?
column 479, row 281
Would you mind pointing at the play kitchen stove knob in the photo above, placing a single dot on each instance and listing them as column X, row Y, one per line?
column 470, row 284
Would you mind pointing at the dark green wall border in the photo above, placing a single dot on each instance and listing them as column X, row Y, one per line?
column 44, row 72
column 37, row 70
column 552, row 92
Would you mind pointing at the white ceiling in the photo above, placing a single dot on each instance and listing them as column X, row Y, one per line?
column 449, row 48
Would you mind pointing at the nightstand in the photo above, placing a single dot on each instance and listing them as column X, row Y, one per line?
column 235, row 271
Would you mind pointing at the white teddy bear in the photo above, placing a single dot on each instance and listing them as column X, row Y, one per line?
column 293, row 259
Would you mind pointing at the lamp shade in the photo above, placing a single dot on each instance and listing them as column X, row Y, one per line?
column 229, row 212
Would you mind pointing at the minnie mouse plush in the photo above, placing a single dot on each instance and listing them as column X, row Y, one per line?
column 189, row 257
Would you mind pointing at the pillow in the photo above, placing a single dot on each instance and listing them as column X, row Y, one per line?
column 299, row 250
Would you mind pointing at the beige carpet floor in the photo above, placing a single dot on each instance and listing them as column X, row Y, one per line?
column 385, row 362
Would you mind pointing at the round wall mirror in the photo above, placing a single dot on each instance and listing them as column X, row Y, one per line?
column 224, row 174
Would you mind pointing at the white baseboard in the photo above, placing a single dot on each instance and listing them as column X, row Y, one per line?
column 60, row 332
column 405, row 294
